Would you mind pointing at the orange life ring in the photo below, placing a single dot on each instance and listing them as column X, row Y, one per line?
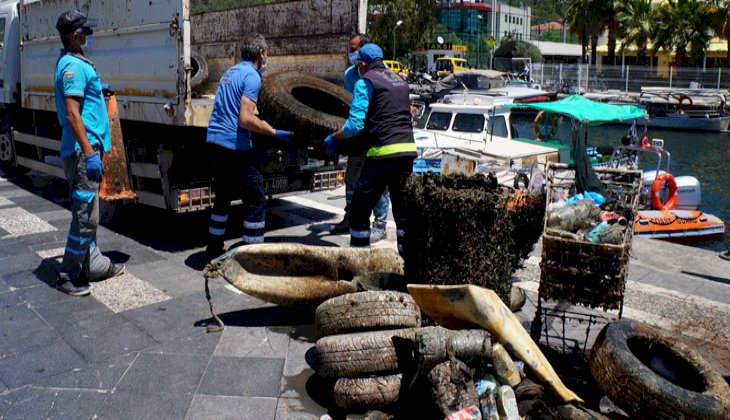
column 553, row 126
column 656, row 201
column 685, row 102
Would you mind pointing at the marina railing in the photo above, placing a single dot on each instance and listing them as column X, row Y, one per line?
column 575, row 78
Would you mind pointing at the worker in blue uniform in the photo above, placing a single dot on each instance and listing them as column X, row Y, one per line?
column 235, row 164
column 379, row 116
column 356, row 158
column 85, row 137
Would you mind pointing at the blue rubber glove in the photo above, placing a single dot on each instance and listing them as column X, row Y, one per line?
column 330, row 145
column 285, row 136
column 93, row 167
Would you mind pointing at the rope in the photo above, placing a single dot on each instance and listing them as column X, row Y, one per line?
column 209, row 272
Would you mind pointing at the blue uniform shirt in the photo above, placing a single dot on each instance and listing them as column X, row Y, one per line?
column 241, row 80
column 361, row 95
column 77, row 77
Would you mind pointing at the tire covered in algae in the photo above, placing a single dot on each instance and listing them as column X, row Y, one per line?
column 369, row 392
column 372, row 310
column 365, row 353
column 310, row 107
column 652, row 376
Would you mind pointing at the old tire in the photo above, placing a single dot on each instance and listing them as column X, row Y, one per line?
column 365, row 353
column 371, row 393
column 652, row 376
column 309, row 106
column 198, row 71
column 372, row 310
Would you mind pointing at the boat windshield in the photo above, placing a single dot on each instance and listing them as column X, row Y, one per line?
column 439, row 121
column 469, row 123
column 498, row 125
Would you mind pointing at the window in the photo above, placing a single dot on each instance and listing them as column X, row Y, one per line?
column 2, row 36
column 469, row 123
column 498, row 125
column 506, row 19
column 439, row 121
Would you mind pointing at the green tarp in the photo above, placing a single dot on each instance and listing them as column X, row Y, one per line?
column 585, row 110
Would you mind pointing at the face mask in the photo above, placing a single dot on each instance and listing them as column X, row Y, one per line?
column 262, row 68
column 88, row 44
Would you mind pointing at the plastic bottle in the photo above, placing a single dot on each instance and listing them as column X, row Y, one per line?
column 504, row 368
column 507, row 404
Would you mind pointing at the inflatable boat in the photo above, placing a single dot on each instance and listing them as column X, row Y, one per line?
column 682, row 226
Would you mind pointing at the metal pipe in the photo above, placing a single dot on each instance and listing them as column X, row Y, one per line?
column 626, row 85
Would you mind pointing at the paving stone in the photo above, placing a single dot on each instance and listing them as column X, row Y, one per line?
column 4, row 288
column 22, row 259
column 20, row 222
column 43, row 274
column 44, row 294
column 130, row 405
column 171, row 278
column 300, row 360
column 100, row 375
column 164, row 374
column 126, row 292
column 107, row 342
column 204, row 407
column 252, row 376
column 254, row 342
column 56, row 215
column 38, row 403
column 18, row 324
column 80, row 313
column 299, row 409
column 37, row 364
column 197, row 343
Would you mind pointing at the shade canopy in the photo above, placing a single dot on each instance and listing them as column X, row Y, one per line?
column 585, row 110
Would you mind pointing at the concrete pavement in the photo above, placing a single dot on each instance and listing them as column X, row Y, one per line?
column 137, row 348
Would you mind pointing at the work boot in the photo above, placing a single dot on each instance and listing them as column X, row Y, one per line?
column 113, row 271
column 342, row 227
column 69, row 288
column 214, row 251
column 378, row 232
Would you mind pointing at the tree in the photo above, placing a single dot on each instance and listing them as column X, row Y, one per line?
column 419, row 21
column 682, row 25
column 634, row 25
column 720, row 22
column 527, row 50
column 577, row 14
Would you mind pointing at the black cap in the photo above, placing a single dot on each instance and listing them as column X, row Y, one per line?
column 73, row 20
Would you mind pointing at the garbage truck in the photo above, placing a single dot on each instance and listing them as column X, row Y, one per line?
column 163, row 59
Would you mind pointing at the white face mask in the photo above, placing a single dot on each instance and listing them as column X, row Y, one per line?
column 262, row 67
column 88, row 44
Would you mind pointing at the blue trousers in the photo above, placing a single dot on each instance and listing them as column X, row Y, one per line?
column 352, row 173
column 237, row 174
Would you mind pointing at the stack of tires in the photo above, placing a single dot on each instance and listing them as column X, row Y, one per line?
column 366, row 345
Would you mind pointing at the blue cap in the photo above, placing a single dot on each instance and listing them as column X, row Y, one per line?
column 369, row 53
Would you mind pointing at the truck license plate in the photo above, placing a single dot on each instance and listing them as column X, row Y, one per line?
column 275, row 185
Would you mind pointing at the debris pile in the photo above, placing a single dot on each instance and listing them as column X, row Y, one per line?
column 468, row 229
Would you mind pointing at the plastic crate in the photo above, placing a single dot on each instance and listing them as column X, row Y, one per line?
column 578, row 272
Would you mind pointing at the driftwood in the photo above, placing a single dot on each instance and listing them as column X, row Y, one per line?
column 436, row 344
column 452, row 387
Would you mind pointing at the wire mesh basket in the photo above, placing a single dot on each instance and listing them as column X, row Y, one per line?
column 579, row 272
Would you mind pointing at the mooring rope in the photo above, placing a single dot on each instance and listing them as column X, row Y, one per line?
column 209, row 272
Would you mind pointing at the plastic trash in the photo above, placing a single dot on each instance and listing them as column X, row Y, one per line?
column 468, row 413
column 570, row 218
column 606, row 233
column 504, row 368
column 598, row 199
column 488, row 383
column 521, row 368
column 507, row 403
column 488, row 403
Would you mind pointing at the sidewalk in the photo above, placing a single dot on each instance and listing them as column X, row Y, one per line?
column 137, row 347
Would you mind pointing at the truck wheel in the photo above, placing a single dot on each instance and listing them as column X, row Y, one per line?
column 371, row 310
column 366, row 353
column 199, row 70
column 306, row 105
column 372, row 392
column 651, row 375
column 6, row 157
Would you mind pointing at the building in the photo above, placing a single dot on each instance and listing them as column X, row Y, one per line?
column 473, row 19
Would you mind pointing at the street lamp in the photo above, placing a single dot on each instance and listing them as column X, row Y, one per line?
column 479, row 41
column 397, row 24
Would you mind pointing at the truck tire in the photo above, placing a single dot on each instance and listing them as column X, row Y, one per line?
column 370, row 393
column 199, row 70
column 7, row 156
column 372, row 310
column 309, row 106
column 652, row 376
column 365, row 353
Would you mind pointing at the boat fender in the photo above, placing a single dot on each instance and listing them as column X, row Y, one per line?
column 521, row 176
column 552, row 119
column 656, row 201
column 685, row 102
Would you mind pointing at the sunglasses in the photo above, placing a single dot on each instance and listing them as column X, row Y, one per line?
column 85, row 31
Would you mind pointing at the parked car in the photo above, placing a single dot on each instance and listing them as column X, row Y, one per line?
column 396, row 67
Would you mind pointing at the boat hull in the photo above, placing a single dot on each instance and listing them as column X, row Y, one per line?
column 681, row 226
column 710, row 124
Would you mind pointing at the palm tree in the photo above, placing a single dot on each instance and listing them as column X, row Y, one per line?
column 679, row 25
column 578, row 15
column 720, row 22
column 634, row 25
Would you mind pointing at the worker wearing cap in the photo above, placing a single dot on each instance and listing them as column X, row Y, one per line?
column 237, row 168
column 356, row 159
column 380, row 112
column 85, row 137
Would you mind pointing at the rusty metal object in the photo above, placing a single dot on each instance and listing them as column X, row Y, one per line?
column 300, row 275
column 115, row 185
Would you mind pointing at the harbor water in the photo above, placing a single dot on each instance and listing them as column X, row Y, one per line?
column 705, row 156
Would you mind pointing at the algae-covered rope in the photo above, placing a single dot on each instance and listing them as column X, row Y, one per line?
column 209, row 272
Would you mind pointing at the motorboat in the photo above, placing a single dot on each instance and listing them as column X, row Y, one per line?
column 681, row 109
